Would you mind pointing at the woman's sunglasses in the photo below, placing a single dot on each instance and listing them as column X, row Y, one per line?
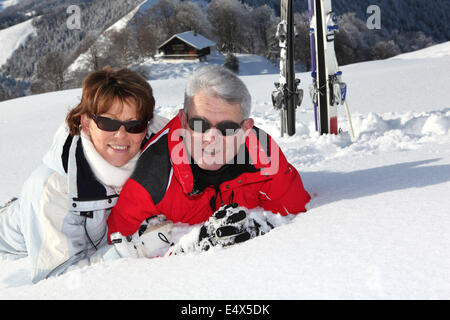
column 226, row 128
column 111, row 125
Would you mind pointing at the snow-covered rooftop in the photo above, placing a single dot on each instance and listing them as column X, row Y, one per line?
column 194, row 39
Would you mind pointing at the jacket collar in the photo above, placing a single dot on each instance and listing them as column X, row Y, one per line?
column 85, row 192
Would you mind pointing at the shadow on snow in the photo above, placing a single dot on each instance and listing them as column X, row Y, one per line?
column 327, row 187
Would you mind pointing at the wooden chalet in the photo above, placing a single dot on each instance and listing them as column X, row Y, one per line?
column 187, row 45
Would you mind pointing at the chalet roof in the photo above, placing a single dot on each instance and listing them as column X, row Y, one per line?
column 194, row 39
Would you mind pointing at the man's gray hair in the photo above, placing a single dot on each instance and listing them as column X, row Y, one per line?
column 219, row 82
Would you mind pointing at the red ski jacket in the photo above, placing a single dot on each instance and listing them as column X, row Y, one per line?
column 163, row 184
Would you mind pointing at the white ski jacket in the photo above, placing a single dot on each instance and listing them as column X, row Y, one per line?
column 60, row 216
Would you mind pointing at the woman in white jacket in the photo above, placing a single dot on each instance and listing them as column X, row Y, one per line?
column 60, row 216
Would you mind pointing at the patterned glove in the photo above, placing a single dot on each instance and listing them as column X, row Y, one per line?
column 227, row 226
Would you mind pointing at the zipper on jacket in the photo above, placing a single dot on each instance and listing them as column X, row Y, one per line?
column 212, row 201
column 87, row 214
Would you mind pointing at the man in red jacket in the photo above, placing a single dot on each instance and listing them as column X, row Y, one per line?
column 208, row 156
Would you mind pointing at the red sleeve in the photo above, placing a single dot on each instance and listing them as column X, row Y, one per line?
column 284, row 193
column 133, row 206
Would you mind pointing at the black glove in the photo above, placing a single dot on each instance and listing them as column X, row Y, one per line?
column 227, row 226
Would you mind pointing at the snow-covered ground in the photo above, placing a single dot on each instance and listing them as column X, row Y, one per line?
column 379, row 222
column 249, row 64
column 436, row 51
column 11, row 38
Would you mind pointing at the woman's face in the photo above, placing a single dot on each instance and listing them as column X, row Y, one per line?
column 120, row 146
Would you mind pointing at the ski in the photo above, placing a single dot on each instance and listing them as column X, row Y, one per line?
column 287, row 96
column 312, row 45
column 328, row 91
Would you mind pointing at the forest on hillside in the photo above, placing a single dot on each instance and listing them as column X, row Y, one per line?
column 247, row 26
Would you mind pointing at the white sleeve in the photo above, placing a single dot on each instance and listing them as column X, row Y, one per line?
column 44, row 213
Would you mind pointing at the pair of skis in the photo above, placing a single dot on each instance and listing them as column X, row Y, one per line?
column 327, row 90
column 287, row 96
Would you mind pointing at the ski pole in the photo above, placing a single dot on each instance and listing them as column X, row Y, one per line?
column 349, row 119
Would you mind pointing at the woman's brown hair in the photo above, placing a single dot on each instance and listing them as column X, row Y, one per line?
column 102, row 88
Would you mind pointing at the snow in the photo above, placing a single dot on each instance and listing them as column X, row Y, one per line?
column 436, row 51
column 147, row 5
column 11, row 38
column 122, row 23
column 378, row 223
column 160, row 69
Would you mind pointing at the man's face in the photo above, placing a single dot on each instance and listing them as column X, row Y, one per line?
column 211, row 150
column 117, row 147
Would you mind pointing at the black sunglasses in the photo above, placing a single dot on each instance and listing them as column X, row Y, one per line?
column 111, row 125
column 226, row 128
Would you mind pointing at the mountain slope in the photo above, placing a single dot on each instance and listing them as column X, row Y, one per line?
column 52, row 33
column 13, row 37
column 101, row 41
column 436, row 51
column 7, row 3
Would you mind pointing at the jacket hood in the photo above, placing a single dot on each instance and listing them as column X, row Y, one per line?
column 53, row 158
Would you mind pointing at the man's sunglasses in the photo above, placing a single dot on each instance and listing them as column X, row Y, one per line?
column 226, row 128
column 111, row 125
